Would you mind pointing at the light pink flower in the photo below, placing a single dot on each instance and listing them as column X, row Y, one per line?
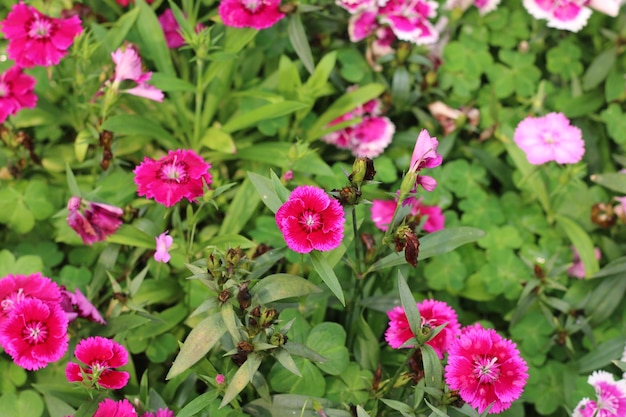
column 16, row 92
column 171, row 29
column 577, row 270
column 180, row 174
column 486, row 6
column 256, row 14
column 382, row 214
column 549, row 138
column 163, row 243
column 93, row 221
column 75, row 305
column 111, row 408
column 100, row 356
column 372, row 136
column 162, row 412
column 354, row 6
column 569, row 15
column 425, row 156
column 35, row 333
column 310, row 219
column 486, row 369
column 620, row 208
column 611, row 397
column 128, row 67
column 14, row 289
column 433, row 313
column 37, row 39
column 608, row 7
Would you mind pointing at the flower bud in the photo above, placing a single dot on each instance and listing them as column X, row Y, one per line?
column 362, row 170
column 278, row 339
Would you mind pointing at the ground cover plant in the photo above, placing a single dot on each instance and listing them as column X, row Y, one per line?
column 333, row 208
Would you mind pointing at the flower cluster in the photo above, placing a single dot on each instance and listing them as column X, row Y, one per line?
column 407, row 21
column 383, row 210
column 34, row 40
column 550, row 138
column 310, row 219
column 99, row 356
column 610, row 397
column 256, row 14
column 93, row 221
column 180, row 174
column 367, row 138
column 569, row 15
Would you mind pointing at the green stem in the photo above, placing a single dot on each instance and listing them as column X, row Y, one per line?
column 357, row 246
column 199, row 97
column 399, row 371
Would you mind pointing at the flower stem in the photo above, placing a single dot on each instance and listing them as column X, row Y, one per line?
column 357, row 246
column 199, row 96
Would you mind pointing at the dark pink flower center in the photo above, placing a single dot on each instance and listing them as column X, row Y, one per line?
column 35, row 332
column 310, row 221
column 174, row 171
column 40, row 28
column 252, row 5
column 486, row 369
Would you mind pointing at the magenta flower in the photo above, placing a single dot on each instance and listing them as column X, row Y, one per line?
column 128, row 67
column 75, row 305
column 549, row 138
column 486, row 369
column 310, row 219
column 37, row 39
column 163, row 243
column 180, row 174
column 382, row 214
column 16, row 92
column 220, row 379
column 100, row 356
column 35, row 333
column 126, row 2
column 93, row 221
column 171, row 29
column 111, row 408
column 569, row 15
column 14, row 289
column 611, row 397
column 433, row 314
column 577, row 270
column 256, row 14
column 161, row 412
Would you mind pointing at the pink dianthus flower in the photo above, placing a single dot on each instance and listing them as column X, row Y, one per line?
column 14, row 289
column 486, row 369
column 161, row 412
column 111, row 408
column 16, row 92
column 128, row 67
column 93, row 221
column 425, row 156
column 382, row 213
column 35, row 334
column 99, row 356
column 163, row 243
column 611, row 397
column 256, row 14
column 37, row 39
column 433, row 314
column 180, row 174
column 310, row 219
column 75, row 305
column 569, row 15
column 550, row 138
column 577, row 270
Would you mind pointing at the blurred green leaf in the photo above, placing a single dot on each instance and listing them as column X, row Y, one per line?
column 241, row 378
column 328, row 339
column 299, row 41
column 280, row 286
column 326, row 272
column 582, row 242
column 599, row 69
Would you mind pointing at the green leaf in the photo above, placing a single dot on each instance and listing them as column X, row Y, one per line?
column 153, row 39
column 241, row 378
column 218, row 140
column 433, row 371
column 605, row 298
column 311, row 383
column 230, row 241
column 14, row 212
column 265, row 187
column 582, row 242
column 602, row 355
column 265, row 112
column 280, row 286
column 409, row 305
column 198, row 404
column 241, row 209
column 615, row 181
column 326, row 272
column 285, row 359
column 299, row 41
column 366, row 346
column 329, row 339
column 165, row 82
column 134, row 124
column 198, row 343
column 318, row 80
column 130, row 235
column 118, row 31
column 599, row 69
column 81, row 144
column 615, row 123
column 25, row 404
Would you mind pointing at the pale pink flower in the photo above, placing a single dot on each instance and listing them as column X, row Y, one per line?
column 611, row 397
column 486, row 369
column 549, row 138
column 256, row 14
column 608, row 7
column 163, row 243
column 75, row 305
column 433, row 314
column 382, row 214
column 577, row 270
column 93, row 221
column 372, row 136
column 620, row 208
column 171, row 29
column 161, row 412
column 486, row 6
column 16, row 92
column 111, row 408
column 128, row 67
column 354, row 6
column 37, row 39
column 425, row 156
column 14, row 289
column 35, row 333
column 180, row 174
column 569, row 15
column 310, row 219
column 99, row 356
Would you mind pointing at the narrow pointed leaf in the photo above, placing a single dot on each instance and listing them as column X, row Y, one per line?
column 326, row 272
column 241, row 378
column 409, row 305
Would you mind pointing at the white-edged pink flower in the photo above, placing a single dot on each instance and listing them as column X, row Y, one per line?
column 608, row 7
column 486, row 6
column 611, row 397
column 569, row 15
column 372, row 136
column 163, row 243
column 550, row 138
column 128, row 67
